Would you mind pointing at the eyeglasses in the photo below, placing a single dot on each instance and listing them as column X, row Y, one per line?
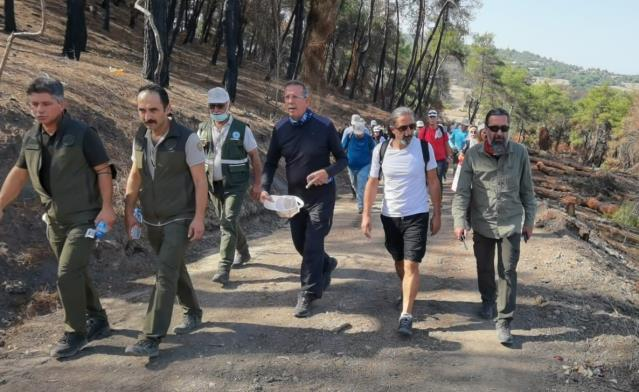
column 497, row 128
column 404, row 128
column 217, row 105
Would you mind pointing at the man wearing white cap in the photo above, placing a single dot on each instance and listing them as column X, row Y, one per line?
column 228, row 144
column 355, row 119
column 437, row 137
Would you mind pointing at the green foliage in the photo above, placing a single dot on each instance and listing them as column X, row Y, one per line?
column 627, row 214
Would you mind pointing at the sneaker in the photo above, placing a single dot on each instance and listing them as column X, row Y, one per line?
column 360, row 210
column 488, row 310
column 405, row 326
column 97, row 329
column 69, row 345
column 332, row 261
column 147, row 347
column 221, row 277
column 239, row 260
column 303, row 307
column 190, row 323
column 503, row 332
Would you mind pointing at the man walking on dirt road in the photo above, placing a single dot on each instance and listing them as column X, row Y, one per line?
column 168, row 177
column 69, row 169
column 496, row 183
column 306, row 140
column 410, row 176
column 228, row 144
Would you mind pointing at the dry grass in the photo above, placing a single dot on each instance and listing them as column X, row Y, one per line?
column 42, row 302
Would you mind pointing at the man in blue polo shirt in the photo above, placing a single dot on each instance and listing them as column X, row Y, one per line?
column 359, row 150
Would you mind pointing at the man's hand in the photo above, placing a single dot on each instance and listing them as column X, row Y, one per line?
column 435, row 223
column 460, row 233
column 264, row 197
column 366, row 225
column 196, row 229
column 129, row 223
column 107, row 215
column 319, row 177
column 256, row 191
column 527, row 233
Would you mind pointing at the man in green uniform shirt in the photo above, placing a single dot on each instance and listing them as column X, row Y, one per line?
column 69, row 169
column 168, row 177
column 228, row 144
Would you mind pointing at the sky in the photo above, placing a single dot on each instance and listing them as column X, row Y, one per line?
column 587, row 33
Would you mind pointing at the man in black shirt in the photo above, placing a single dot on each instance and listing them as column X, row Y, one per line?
column 306, row 140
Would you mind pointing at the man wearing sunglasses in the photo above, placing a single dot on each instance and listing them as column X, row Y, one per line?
column 228, row 145
column 496, row 183
column 410, row 176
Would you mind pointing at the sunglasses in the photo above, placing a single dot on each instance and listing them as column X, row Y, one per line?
column 497, row 128
column 217, row 105
column 404, row 128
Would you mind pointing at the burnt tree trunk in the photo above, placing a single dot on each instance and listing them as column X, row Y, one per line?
column 206, row 29
column 159, row 12
column 106, row 4
column 397, row 41
column 298, row 40
column 382, row 56
column 354, row 48
column 75, row 36
column 219, row 34
column 232, row 31
column 363, row 50
column 9, row 17
column 191, row 25
column 321, row 25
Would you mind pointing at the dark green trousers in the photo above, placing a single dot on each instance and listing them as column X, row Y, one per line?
column 77, row 294
column 172, row 278
column 227, row 206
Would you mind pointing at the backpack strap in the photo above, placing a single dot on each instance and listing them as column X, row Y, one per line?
column 425, row 153
column 382, row 151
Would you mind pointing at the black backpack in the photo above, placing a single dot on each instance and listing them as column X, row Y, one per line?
column 382, row 152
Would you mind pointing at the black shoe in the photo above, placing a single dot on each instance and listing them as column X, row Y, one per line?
column 97, row 329
column 332, row 261
column 190, row 323
column 488, row 310
column 147, row 347
column 502, row 326
column 69, row 345
column 405, row 326
column 239, row 260
column 303, row 307
column 221, row 277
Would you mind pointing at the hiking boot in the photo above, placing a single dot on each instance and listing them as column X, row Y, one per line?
column 405, row 326
column 190, row 322
column 147, row 347
column 97, row 329
column 239, row 260
column 503, row 332
column 488, row 310
column 69, row 345
column 221, row 277
column 332, row 262
column 303, row 307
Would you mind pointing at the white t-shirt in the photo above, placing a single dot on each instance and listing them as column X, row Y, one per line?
column 405, row 188
column 219, row 136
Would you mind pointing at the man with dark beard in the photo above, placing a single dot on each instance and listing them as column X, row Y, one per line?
column 496, row 183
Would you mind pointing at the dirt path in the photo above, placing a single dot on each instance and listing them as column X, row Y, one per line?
column 569, row 308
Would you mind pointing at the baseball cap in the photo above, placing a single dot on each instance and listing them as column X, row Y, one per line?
column 419, row 123
column 218, row 95
column 377, row 128
column 356, row 118
column 432, row 113
column 373, row 123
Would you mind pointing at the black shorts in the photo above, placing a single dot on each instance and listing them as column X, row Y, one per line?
column 405, row 237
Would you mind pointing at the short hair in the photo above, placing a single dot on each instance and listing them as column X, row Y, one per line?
column 496, row 112
column 47, row 84
column 294, row 82
column 159, row 90
column 400, row 112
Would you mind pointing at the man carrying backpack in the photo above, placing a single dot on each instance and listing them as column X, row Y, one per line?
column 409, row 169
column 437, row 137
column 359, row 150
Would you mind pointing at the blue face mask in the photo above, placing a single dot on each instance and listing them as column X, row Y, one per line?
column 308, row 114
column 221, row 117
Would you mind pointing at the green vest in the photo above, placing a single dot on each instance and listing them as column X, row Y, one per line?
column 75, row 195
column 235, row 163
column 170, row 195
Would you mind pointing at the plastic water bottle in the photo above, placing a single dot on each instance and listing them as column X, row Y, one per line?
column 100, row 230
column 136, row 230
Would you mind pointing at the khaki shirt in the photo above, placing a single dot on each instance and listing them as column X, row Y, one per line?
column 499, row 192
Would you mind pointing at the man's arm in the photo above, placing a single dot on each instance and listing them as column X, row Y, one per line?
column 527, row 196
column 133, row 183
column 341, row 161
column 196, row 229
column 13, row 184
column 273, row 156
column 461, row 200
column 105, row 185
column 434, row 190
column 370, row 193
column 256, row 162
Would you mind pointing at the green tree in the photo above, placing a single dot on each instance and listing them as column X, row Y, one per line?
column 552, row 109
column 483, row 69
